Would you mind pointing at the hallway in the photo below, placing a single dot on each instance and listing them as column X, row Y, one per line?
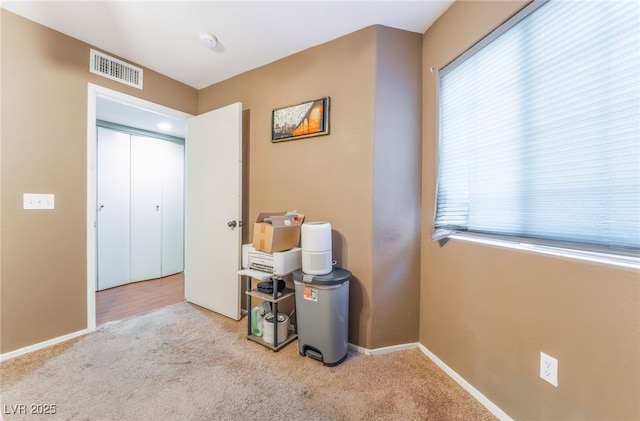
column 138, row 297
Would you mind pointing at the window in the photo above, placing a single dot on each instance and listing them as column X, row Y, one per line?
column 539, row 129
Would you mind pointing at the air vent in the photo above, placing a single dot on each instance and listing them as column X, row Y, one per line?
column 112, row 68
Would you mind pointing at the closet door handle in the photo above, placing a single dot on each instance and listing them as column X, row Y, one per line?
column 157, row 208
column 232, row 224
column 100, row 208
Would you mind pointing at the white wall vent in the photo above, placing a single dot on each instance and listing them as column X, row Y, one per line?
column 112, row 68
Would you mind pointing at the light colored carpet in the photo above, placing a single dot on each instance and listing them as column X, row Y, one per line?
column 186, row 363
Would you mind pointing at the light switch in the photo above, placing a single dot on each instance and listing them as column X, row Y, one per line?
column 38, row 201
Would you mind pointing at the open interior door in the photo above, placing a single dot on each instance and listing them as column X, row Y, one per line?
column 213, row 206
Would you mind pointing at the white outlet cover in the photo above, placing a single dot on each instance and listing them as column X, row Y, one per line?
column 549, row 369
column 38, row 201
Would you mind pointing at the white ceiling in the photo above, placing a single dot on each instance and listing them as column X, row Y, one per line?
column 163, row 35
column 114, row 111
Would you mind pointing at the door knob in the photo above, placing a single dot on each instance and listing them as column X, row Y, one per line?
column 100, row 208
column 232, row 224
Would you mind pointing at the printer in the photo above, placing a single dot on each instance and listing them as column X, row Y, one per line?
column 278, row 263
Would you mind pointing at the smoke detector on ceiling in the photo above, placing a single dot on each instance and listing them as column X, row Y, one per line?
column 208, row 40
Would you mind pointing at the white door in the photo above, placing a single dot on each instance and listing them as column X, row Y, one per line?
column 147, row 155
column 113, row 242
column 140, row 183
column 213, row 204
column 172, row 209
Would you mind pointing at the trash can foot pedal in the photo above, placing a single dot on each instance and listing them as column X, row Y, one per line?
column 313, row 354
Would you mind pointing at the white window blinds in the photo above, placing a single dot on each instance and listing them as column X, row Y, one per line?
column 539, row 128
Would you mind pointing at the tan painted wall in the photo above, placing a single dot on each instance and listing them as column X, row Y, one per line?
column 44, row 136
column 332, row 177
column 487, row 312
column 396, row 187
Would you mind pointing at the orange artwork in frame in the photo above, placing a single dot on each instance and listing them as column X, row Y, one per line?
column 307, row 119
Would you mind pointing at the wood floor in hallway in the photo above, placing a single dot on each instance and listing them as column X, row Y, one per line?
column 138, row 297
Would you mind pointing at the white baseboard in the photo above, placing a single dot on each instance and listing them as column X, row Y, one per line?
column 35, row 347
column 492, row 407
column 484, row 401
column 384, row 350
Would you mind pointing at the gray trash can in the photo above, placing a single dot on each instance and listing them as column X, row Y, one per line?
column 322, row 312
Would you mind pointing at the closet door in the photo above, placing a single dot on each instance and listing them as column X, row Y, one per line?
column 146, row 201
column 172, row 209
column 113, row 208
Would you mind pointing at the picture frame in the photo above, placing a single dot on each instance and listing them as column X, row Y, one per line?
column 307, row 119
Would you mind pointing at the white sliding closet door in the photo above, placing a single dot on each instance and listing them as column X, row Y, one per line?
column 172, row 209
column 140, row 208
column 113, row 245
column 147, row 157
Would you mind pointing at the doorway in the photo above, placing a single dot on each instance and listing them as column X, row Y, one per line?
column 139, row 297
column 129, row 111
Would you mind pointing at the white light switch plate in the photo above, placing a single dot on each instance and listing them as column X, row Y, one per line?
column 38, row 201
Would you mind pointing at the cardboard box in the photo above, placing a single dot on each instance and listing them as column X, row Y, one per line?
column 283, row 233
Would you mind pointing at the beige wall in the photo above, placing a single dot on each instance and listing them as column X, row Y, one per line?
column 396, row 188
column 44, row 137
column 487, row 312
column 338, row 178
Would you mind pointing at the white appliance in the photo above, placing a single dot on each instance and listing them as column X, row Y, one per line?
column 315, row 241
column 278, row 263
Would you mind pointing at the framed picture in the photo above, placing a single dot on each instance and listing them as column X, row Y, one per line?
column 302, row 120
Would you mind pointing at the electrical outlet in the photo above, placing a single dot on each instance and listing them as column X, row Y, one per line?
column 549, row 369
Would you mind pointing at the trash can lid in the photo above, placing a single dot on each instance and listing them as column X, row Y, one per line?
column 335, row 277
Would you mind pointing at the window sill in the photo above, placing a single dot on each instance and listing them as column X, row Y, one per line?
column 620, row 260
